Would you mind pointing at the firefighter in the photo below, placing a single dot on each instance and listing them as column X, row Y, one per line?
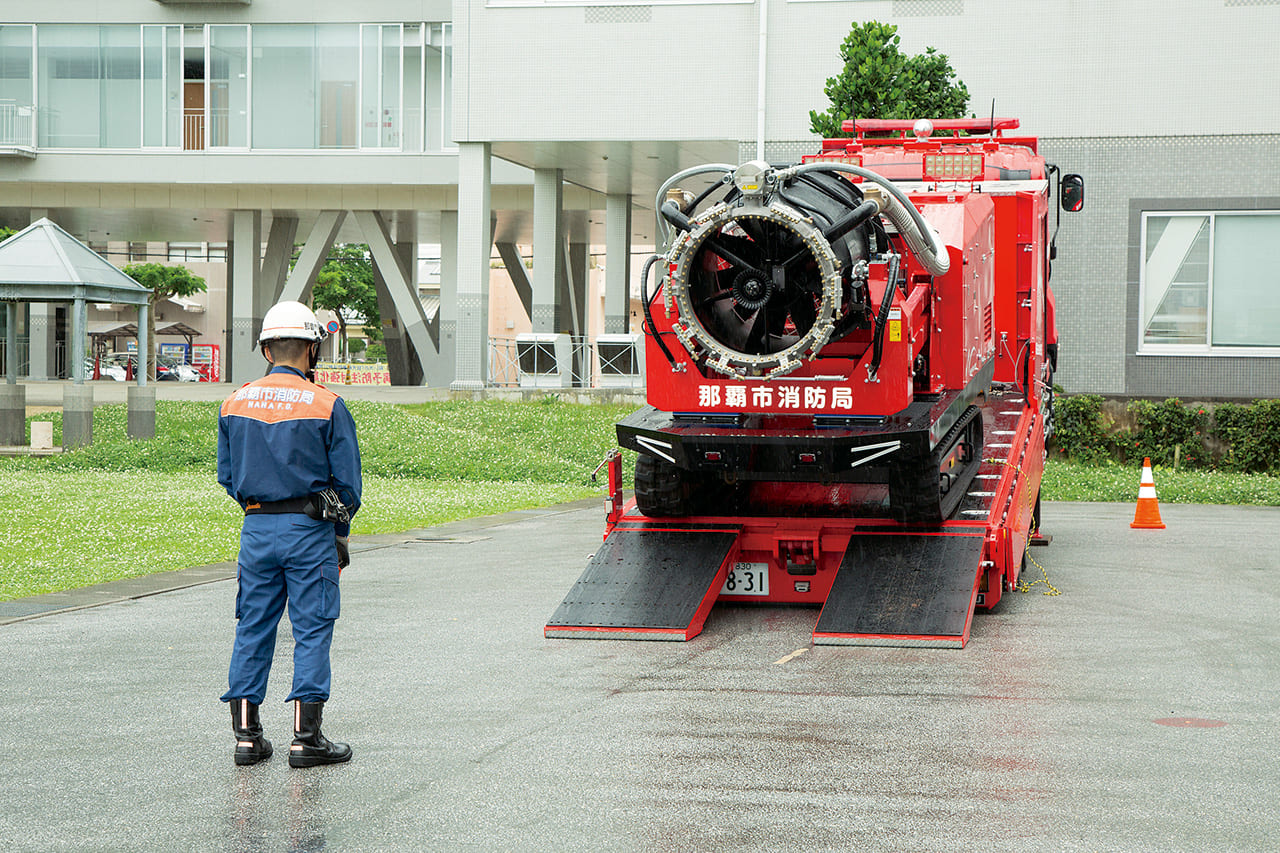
column 287, row 453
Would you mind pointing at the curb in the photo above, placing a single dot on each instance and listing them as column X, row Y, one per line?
column 128, row 589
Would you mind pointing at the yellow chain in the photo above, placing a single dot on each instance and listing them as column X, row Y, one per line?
column 1023, row 586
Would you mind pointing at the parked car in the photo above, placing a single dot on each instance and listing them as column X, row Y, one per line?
column 106, row 369
column 168, row 369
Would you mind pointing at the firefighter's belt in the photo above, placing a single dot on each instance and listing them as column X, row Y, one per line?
column 277, row 507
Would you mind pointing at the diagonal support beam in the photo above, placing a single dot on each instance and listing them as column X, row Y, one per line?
column 512, row 260
column 275, row 263
column 314, row 253
column 423, row 333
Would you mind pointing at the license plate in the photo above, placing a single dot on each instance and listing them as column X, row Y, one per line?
column 747, row 579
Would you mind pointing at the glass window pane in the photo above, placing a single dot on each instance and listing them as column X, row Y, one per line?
column 446, row 119
column 1246, row 283
column 338, row 70
column 228, row 69
column 433, row 55
column 1175, row 280
column 390, row 135
column 121, row 87
column 161, row 85
column 69, row 98
column 370, row 88
column 411, row 123
column 16, row 101
column 380, row 86
column 284, row 91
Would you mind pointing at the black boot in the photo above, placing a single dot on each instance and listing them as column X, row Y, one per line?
column 251, row 746
column 310, row 748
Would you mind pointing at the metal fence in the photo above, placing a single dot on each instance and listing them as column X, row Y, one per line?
column 58, row 370
column 517, row 363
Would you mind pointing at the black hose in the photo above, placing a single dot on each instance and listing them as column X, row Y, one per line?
column 882, row 318
column 851, row 220
column 671, row 212
column 648, row 311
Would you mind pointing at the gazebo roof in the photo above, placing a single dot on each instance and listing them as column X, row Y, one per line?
column 43, row 263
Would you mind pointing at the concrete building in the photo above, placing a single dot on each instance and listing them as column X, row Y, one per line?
column 537, row 129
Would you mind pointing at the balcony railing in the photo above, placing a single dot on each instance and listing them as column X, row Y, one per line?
column 17, row 125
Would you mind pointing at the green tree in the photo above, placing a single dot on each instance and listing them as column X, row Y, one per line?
column 6, row 233
column 346, row 282
column 163, row 282
column 878, row 81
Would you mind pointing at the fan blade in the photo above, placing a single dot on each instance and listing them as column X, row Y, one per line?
column 727, row 293
column 758, row 337
column 803, row 312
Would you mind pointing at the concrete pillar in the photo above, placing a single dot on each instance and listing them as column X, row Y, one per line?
column 574, row 301
column 393, row 337
column 548, row 250
column 79, row 337
column 407, row 251
column 244, row 362
column 77, row 415
column 13, row 415
column 275, row 262
column 141, row 406
column 441, row 369
column 13, row 397
column 617, row 264
column 475, row 236
column 311, row 259
column 11, row 342
column 41, row 333
column 41, row 329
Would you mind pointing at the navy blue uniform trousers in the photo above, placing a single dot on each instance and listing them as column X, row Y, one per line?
column 287, row 557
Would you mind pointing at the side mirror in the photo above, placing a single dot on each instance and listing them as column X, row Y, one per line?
column 1071, row 190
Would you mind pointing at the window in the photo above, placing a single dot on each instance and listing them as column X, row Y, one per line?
column 1208, row 283
column 232, row 86
column 304, row 85
column 15, row 85
column 90, row 82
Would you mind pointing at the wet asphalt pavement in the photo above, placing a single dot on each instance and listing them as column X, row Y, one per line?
column 1137, row 710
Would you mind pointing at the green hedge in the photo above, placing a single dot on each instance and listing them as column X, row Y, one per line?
column 1228, row 437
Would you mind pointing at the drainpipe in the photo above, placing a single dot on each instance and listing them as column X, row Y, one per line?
column 761, row 60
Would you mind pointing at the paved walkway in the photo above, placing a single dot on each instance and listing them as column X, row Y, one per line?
column 1135, row 711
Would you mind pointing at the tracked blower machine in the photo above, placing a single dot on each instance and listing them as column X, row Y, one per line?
column 849, row 368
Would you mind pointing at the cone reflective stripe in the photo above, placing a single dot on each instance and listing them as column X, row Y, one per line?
column 1147, row 513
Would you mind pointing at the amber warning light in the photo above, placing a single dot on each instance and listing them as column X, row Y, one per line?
column 953, row 167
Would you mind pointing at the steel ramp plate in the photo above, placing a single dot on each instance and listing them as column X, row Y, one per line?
column 647, row 582
column 903, row 590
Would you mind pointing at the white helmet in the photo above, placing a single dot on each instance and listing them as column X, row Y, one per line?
column 290, row 320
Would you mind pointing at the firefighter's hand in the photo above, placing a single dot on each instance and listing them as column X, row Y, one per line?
column 344, row 553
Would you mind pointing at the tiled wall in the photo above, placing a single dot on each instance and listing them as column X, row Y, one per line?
column 1096, row 276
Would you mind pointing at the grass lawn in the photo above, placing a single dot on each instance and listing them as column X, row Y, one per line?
column 121, row 508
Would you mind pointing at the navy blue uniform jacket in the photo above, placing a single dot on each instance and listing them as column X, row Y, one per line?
column 281, row 437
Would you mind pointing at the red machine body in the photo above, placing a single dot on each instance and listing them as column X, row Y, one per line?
column 849, row 368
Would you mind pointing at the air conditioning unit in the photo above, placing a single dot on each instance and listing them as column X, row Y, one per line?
column 621, row 360
column 545, row 359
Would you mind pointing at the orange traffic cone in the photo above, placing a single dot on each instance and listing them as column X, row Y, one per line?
column 1147, row 514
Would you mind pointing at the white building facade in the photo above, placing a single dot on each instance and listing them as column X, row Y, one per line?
column 541, row 128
